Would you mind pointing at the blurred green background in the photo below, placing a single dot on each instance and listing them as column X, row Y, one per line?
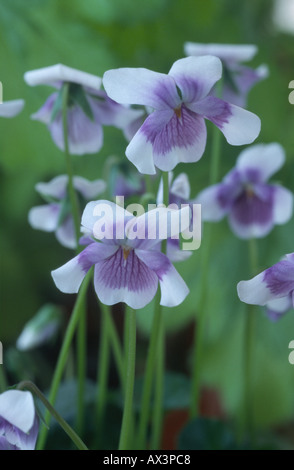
column 95, row 35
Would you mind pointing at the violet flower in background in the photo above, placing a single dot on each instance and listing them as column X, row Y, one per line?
column 237, row 78
column 89, row 108
column 9, row 109
column 127, row 269
column 252, row 205
column 19, row 424
column 56, row 215
column 179, row 193
column 175, row 131
column 273, row 288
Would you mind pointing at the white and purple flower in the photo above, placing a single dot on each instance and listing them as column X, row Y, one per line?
column 237, row 78
column 19, row 424
column 128, row 264
column 89, row 108
column 252, row 205
column 175, row 131
column 273, row 288
column 9, row 109
column 56, row 215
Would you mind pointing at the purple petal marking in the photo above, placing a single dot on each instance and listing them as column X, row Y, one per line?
column 280, row 278
column 167, row 131
column 12, row 438
column 252, row 208
column 167, row 95
column 214, row 109
column 121, row 271
column 94, row 253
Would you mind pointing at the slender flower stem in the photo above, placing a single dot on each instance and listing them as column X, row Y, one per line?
column 81, row 367
column 3, row 380
column 127, row 421
column 65, row 426
column 205, row 255
column 249, row 346
column 63, row 355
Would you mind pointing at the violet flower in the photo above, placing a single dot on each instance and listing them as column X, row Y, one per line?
column 273, row 288
column 89, row 108
column 127, row 264
column 252, row 205
column 56, row 215
column 19, row 423
column 237, row 78
column 9, row 109
column 175, row 131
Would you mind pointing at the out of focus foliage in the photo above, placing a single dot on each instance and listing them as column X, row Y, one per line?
column 95, row 35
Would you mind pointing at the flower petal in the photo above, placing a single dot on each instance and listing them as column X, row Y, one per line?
column 65, row 233
column 255, row 291
column 141, row 86
column 128, row 280
column 173, row 288
column 44, row 114
column 238, row 125
column 215, row 202
column 89, row 189
column 69, row 277
column 278, row 307
column 44, row 217
column 55, row 188
column 283, row 204
column 11, row 108
column 56, row 73
column 181, row 187
column 17, row 407
column 226, row 52
column 266, row 158
column 84, row 135
column 195, row 76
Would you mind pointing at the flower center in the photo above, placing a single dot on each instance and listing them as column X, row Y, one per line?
column 178, row 111
column 249, row 192
column 126, row 252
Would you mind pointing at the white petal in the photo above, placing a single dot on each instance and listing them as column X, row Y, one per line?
column 267, row 158
column 243, row 127
column 17, row 407
column 211, row 209
column 56, row 73
column 44, row 217
column 174, row 290
column 181, row 186
column 55, row 188
column 140, row 153
column 69, row 277
column 280, row 305
column 89, row 189
column 10, row 109
column 283, row 205
column 226, row 52
column 255, row 291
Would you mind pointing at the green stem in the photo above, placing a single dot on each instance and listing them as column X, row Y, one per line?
column 127, row 421
column 158, row 395
column 63, row 355
column 3, row 380
column 103, row 367
column 81, row 368
column 65, row 426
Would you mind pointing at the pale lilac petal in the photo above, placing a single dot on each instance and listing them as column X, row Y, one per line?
column 280, row 278
column 173, row 140
column 5, row 445
column 44, row 217
column 69, row 277
column 129, row 280
column 61, row 73
column 238, row 125
column 89, row 189
column 276, row 308
column 255, row 291
column 252, row 216
column 215, row 202
column 174, row 252
column 44, row 114
column 56, row 188
column 283, row 204
column 195, row 76
column 181, row 187
column 173, row 288
column 65, row 233
column 227, row 52
column 105, row 219
column 266, row 158
column 141, row 86
column 84, row 135
column 17, row 407
column 11, row 108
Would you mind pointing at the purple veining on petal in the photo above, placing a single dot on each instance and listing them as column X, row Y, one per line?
column 214, row 109
column 126, row 271
column 178, row 132
column 191, row 88
column 229, row 190
column 17, row 439
column 167, row 95
column 280, row 278
column 250, row 208
column 94, row 253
